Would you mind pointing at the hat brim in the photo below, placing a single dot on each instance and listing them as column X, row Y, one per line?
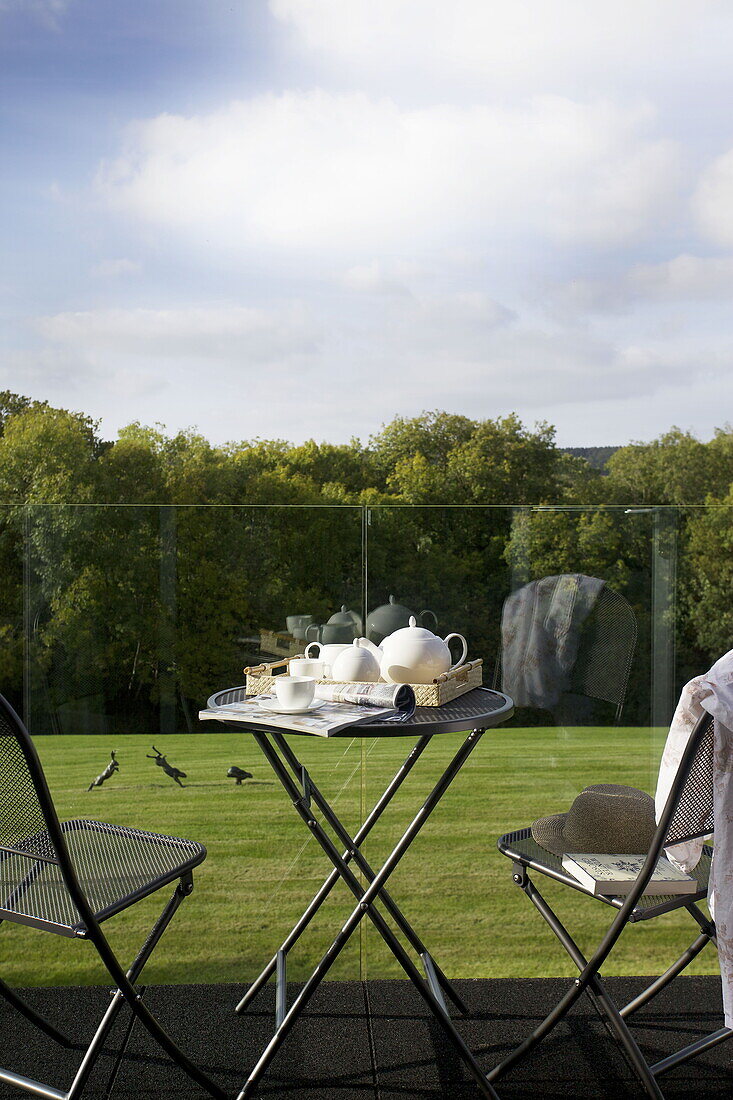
column 549, row 832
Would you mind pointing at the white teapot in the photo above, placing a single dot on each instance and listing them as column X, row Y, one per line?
column 414, row 655
column 356, row 663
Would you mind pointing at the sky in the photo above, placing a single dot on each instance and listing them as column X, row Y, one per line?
column 299, row 219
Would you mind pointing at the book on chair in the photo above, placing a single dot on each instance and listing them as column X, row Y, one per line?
column 610, row 873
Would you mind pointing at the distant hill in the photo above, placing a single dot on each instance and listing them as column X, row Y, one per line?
column 597, row 457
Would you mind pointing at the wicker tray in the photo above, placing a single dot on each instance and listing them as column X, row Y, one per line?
column 261, row 678
column 282, row 645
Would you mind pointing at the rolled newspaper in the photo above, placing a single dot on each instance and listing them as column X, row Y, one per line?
column 399, row 696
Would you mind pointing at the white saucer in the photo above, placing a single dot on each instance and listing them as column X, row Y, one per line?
column 277, row 707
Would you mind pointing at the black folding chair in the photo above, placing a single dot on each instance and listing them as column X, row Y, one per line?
column 688, row 813
column 67, row 878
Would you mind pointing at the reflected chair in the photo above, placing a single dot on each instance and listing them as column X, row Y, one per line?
column 67, row 878
column 688, row 814
column 573, row 675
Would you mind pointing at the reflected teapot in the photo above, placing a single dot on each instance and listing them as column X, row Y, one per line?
column 344, row 617
column 297, row 624
column 389, row 617
column 330, row 633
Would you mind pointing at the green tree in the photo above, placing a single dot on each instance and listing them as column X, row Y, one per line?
column 675, row 469
column 708, row 599
column 432, row 435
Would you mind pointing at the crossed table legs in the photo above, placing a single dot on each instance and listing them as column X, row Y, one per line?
column 303, row 794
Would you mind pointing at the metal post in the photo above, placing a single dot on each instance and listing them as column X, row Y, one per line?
column 27, row 620
column 664, row 607
column 167, row 621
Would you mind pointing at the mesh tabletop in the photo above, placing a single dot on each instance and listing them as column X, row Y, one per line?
column 480, row 708
column 114, row 865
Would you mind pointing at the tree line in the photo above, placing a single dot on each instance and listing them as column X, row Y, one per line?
column 112, row 595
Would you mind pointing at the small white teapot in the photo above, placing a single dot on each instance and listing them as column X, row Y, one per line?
column 414, row 655
column 355, row 664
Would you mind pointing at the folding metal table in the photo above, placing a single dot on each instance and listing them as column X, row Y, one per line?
column 475, row 712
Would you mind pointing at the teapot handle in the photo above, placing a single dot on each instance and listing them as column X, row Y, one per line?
column 463, row 655
column 308, row 649
column 427, row 611
column 309, row 636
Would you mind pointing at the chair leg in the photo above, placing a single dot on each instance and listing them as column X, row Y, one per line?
column 35, row 1017
column 669, row 975
column 590, row 984
column 628, row 1043
column 691, row 1051
column 126, row 992
column 17, row 1001
column 95, row 1047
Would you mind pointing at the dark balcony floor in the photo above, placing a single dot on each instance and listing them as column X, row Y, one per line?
column 375, row 1041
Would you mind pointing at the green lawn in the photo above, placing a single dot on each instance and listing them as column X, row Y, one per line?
column 263, row 867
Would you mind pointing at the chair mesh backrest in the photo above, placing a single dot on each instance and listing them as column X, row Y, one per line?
column 605, row 649
column 693, row 816
column 22, row 822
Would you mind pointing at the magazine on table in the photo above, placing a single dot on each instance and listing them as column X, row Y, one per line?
column 335, row 708
column 606, row 873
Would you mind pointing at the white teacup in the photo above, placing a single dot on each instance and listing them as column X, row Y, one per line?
column 325, row 653
column 304, row 666
column 294, row 691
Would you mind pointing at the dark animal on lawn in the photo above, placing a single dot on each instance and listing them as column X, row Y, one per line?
column 160, row 760
column 239, row 774
column 108, row 772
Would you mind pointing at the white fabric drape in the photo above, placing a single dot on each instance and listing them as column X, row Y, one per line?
column 711, row 693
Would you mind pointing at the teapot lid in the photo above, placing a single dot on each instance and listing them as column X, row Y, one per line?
column 391, row 607
column 416, row 633
column 344, row 617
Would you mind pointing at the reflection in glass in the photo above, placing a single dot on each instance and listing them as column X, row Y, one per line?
column 121, row 621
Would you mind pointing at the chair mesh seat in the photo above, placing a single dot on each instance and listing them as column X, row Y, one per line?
column 115, row 865
column 523, row 848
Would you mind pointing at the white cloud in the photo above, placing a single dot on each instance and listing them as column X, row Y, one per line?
column 459, row 327
column 713, row 200
column 532, row 44
column 372, row 278
column 538, row 372
column 337, row 174
column 685, row 278
column 224, row 333
column 112, row 269
column 42, row 371
column 239, row 373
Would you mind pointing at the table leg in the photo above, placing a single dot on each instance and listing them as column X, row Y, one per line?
column 352, row 847
column 294, row 935
column 366, row 899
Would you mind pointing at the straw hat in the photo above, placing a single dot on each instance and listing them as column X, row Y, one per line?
column 607, row 817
